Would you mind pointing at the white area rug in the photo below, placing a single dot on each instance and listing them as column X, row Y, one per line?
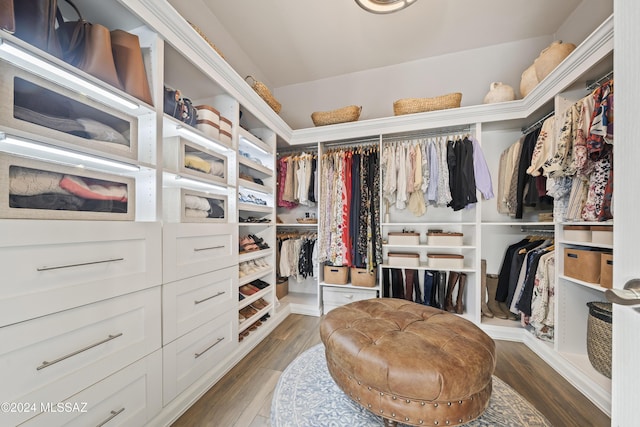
column 307, row 396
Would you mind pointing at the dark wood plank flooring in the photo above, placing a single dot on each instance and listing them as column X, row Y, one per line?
column 242, row 398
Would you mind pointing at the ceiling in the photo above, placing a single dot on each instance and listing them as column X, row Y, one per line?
column 296, row 41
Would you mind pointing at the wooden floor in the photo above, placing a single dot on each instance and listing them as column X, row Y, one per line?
column 242, row 398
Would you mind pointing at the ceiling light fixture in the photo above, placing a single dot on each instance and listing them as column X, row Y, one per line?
column 384, row 6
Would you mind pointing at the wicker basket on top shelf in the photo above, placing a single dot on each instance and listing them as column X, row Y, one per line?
column 422, row 105
column 350, row 113
column 264, row 92
column 307, row 220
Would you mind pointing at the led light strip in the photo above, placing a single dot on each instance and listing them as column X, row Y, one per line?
column 67, row 154
column 191, row 135
column 46, row 69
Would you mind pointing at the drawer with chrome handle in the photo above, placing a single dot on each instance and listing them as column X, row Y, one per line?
column 50, row 266
column 54, row 357
column 192, row 249
column 198, row 354
column 130, row 397
column 189, row 303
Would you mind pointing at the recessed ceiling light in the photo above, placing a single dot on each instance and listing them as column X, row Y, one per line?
column 384, row 6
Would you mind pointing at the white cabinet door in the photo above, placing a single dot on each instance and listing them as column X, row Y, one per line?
column 626, row 320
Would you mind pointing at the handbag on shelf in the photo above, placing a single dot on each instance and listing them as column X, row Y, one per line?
column 88, row 47
column 127, row 56
column 7, row 16
column 35, row 23
column 178, row 107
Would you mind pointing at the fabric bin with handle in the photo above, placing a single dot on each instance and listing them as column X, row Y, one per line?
column 362, row 277
column 404, row 260
column 336, row 275
column 404, row 238
column 606, row 270
column 445, row 261
column 582, row 264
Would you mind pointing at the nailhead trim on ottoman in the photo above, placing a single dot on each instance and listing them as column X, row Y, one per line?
column 409, row 362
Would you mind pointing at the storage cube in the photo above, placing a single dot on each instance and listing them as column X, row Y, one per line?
column 577, row 233
column 184, row 157
column 582, row 264
column 225, row 137
column 606, row 270
column 362, row 277
column 37, row 189
column 443, row 238
column 404, row 238
column 40, row 107
column 404, row 260
column 445, row 261
column 282, row 289
column 336, row 275
column 602, row 234
column 186, row 205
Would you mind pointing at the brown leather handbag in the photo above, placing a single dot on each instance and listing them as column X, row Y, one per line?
column 127, row 56
column 88, row 47
column 7, row 16
column 35, row 23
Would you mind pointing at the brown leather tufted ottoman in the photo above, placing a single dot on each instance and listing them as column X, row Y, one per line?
column 408, row 362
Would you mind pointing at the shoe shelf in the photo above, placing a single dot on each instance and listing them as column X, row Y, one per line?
column 251, row 320
column 248, row 300
column 247, row 256
column 253, row 276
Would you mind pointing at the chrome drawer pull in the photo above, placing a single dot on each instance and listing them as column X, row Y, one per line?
column 46, row 364
column 79, row 265
column 113, row 415
column 209, row 348
column 208, row 249
column 207, row 299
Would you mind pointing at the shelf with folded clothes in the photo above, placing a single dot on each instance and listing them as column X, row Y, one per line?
column 50, row 114
column 244, row 182
column 248, row 142
column 188, row 205
column 255, row 166
column 191, row 160
column 44, row 190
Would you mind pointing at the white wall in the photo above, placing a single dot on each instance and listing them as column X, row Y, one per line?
column 469, row 72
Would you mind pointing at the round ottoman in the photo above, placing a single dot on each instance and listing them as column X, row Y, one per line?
column 409, row 362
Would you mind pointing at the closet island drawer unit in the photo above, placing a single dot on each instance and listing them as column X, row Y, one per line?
column 189, row 159
column 50, row 266
column 41, row 109
column 193, row 249
column 51, row 358
column 41, row 190
column 131, row 398
column 197, row 354
column 186, row 205
column 189, row 303
column 335, row 297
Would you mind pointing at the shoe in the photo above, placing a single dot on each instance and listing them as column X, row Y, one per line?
column 492, row 287
column 240, row 297
column 448, row 302
column 260, row 284
column 484, row 308
column 248, row 291
column 241, row 318
column 462, row 281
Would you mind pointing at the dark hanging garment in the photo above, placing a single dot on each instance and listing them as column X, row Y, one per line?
column 526, row 191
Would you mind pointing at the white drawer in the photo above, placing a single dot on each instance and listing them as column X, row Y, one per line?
column 49, row 266
column 193, row 355
column 337, row 296
column 53, row 357
column 188, row 303
column 192, row 249
column 130, row 397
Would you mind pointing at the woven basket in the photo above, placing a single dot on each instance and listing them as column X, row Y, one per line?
column 213, row 46
column 421, row 105
column 350, row 113
column 307, row 220
column 264, row 92
column 599, row 336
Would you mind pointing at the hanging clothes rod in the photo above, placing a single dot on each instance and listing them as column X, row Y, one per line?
column 297, row 149
column 537, row 124
column 539, row 229
column 427, row 134
column 592, row 84
column 353, row 143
